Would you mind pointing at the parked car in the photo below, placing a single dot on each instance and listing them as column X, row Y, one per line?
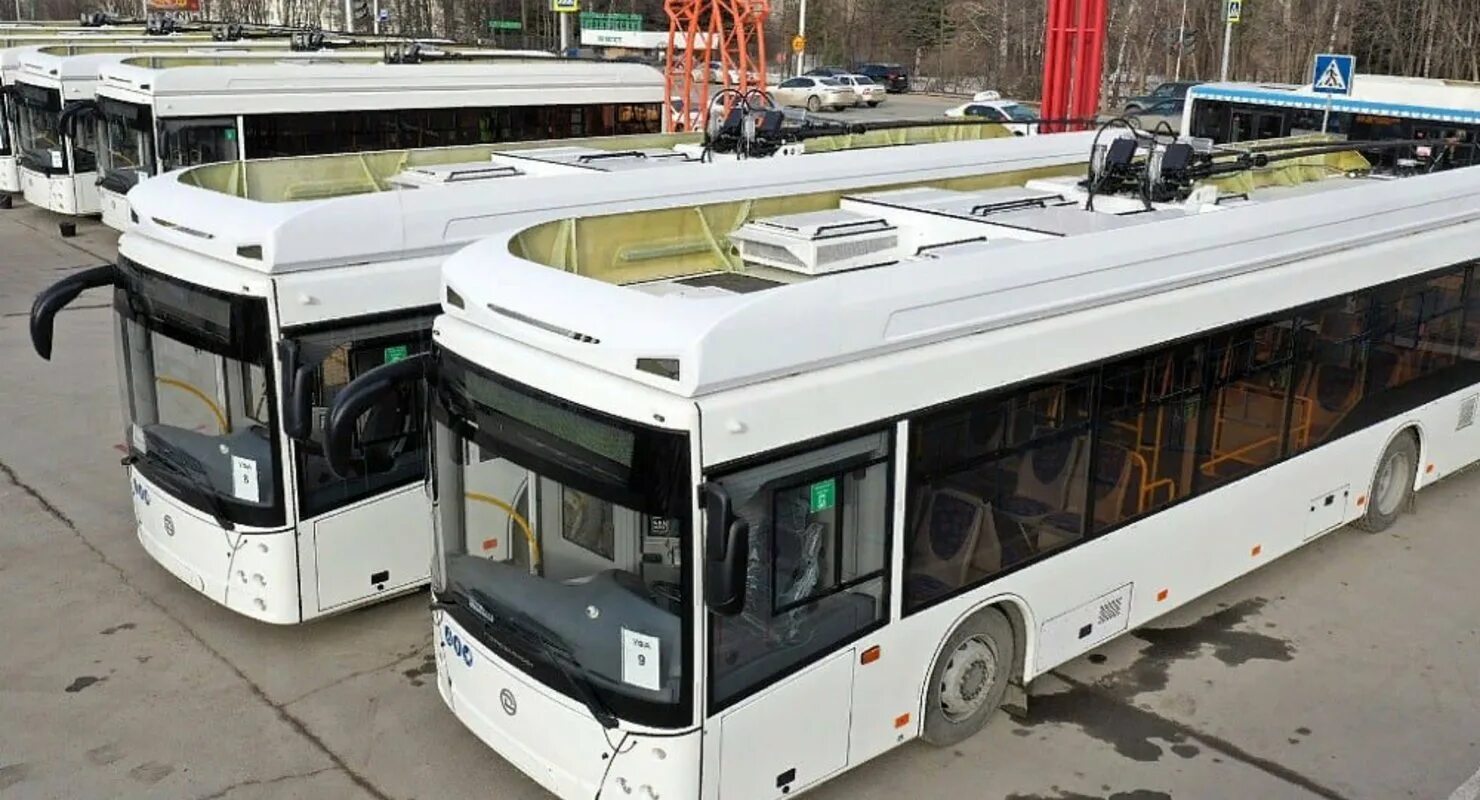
column 814, row 93
column 716, row 72
column 891, row 76
column 1175, row 90
column 869, row 93
column 1020, row 119
column 1168, row 111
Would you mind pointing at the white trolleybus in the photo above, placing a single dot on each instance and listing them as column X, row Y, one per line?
column 52, row 96
column 1445, row 112
column 157, row 117
column 242, row 313
column 12, row 46
column 732, row 527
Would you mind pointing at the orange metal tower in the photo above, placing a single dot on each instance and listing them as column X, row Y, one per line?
column 728, row 33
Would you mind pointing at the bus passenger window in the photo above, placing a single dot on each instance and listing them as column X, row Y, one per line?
column 1012, row 488
column 1243, row 427
column 819, row 531
column 1150, row 406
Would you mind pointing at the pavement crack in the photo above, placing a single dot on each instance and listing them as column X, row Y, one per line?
column 287, row 717
column 220, row 793
column 13, row 314
column 418, row 650
column 1223, row 746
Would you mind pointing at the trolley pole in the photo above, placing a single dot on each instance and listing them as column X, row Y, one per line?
column 802, row 32
column 1227, row 49
column 1181, row 41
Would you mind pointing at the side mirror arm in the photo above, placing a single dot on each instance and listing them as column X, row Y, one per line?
column 58, row 296
column 359, row 397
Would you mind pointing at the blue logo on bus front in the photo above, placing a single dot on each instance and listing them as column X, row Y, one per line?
column 459, row 647
column 141, row 492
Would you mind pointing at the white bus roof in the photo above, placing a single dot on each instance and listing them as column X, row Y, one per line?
column 75, row 75
column 287, row 88
column 705, row 322
column 1378, row 95
column 288, row 237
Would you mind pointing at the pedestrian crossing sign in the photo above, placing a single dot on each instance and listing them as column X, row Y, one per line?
column 1234, row 11
column 1334, row 74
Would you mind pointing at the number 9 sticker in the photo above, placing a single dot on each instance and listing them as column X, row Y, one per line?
column 640, row 654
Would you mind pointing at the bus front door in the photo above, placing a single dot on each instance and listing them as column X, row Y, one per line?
column 785, row 672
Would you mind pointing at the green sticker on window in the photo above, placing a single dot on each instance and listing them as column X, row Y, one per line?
column 824, row 495
column 398, row 353
column 230, row 134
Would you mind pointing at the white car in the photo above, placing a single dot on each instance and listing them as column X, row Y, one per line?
column 1016, row 116
column 870, row 93
column 716, row 73
column 814, row 93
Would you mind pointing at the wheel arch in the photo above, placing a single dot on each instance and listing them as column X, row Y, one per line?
column 1414, row 428
column 1019, row 616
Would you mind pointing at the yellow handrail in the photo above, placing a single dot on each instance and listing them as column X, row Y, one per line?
column 534, row 546
column 202, row 396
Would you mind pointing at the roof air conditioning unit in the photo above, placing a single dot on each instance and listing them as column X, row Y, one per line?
column 819, row 242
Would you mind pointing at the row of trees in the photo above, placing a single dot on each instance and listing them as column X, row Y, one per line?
column 981, row 43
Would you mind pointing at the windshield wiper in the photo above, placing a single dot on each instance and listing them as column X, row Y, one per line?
column 196, row 479
column 558, row 655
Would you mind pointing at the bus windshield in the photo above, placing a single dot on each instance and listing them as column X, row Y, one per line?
column 199, row 416
column 38, row 129
column 563, row 543
column 127, row 151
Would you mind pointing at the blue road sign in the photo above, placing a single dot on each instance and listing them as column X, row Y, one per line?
column 1334, row 74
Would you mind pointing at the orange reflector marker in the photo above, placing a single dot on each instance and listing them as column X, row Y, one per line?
column 901, row 720
column 1161, row 595
column 1361, row 500
column 1430, row 469
column 490, row 544
column 870, row 655
column 1258, row 548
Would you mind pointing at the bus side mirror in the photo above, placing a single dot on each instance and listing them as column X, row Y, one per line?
column 361, row 395
column 726, row 552
column 57, row 297
column 297, row 405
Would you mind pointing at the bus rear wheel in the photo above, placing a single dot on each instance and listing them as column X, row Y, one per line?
column 969, row 678
column 1392, row 485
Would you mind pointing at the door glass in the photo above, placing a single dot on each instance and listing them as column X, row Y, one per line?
column 389, row 440
column 817, row 576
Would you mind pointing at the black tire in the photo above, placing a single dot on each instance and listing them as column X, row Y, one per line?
column 978, row 662
column 1133, row 109
column 1392, row 484
column 873, row 104
column 814, row 104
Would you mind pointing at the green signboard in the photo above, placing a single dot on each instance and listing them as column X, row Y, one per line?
column 505, row 25
column 824, row 495
column 398, row 353
column 593, row 21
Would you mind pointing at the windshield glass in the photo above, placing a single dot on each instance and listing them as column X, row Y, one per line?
column 1018, row 112
column 127, row 151
column 38, row 125
column 563, row 538
column 191, row 142
column 199, row 416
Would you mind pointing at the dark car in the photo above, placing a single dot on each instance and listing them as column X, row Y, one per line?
column 1176, row 90
column 826, row 72
column 891, row 76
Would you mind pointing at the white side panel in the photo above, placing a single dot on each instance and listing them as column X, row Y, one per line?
column 766, row 746
column 10, row 176
column 1326, row 511
column 86, row 201
column 373, row 549
column 1071, row 633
